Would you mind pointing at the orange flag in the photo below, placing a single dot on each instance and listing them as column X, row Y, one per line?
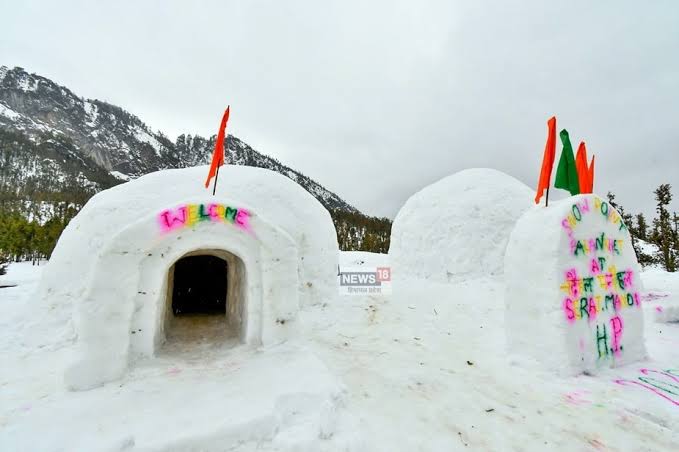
column 547, row 160
column 583, row 170
column 591, row 175
column 218, row 154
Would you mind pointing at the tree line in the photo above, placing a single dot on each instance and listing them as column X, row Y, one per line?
column 358, row 232
column 662, row 231
column 23, row 239
column 43, row 184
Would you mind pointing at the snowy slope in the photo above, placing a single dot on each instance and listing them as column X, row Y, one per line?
column 421, row 370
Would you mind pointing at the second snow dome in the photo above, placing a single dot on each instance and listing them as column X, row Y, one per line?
column 458, row 227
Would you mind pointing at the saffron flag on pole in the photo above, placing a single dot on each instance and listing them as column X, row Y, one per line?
column 218, row 153
column 590, row 171
column 566, row 173
column 547, row 160
column 582, row 168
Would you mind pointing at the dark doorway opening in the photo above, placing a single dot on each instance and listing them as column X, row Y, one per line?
column 200, row 285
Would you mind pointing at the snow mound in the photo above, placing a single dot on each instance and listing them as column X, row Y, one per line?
column 573, row 289
column 457, row 228
column 116, row 260
column 662, row 294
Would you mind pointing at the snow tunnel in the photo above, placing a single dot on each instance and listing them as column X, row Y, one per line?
column 160, row 260
column 205, row 298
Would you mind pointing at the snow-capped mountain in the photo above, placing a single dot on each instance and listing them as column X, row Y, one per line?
column 57, row 145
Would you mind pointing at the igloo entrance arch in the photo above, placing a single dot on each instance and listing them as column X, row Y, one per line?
column 205, row 298
column 128, row 321
column 116, row 260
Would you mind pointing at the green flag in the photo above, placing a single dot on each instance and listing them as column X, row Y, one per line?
column 566, row 173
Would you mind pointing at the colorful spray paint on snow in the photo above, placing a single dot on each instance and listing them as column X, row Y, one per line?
column 599, row 292
column 664, row 383
column 188, row 215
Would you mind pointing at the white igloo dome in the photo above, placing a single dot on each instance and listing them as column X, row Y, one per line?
column 141, row 256
column 458, row 227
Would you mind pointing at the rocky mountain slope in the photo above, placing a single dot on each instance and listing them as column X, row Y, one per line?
column 57, row 147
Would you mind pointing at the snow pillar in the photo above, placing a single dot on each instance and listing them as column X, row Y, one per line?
column 573, row 288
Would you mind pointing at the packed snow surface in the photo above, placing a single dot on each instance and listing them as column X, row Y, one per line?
column 458, row 227
column 422, row 370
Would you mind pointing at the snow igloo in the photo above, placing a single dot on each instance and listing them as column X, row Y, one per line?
column 458, row 227
column 160, row 257
column 572, row 287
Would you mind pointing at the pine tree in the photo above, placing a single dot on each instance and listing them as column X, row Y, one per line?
column 628, row 219
column 4, row 260
column 642, row 227
column 611, row 200
column 664, row 235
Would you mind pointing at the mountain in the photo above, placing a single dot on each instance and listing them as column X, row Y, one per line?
column 58, row 149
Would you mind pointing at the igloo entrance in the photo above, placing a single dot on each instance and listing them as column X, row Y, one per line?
column 199, row 286
column 205, row 299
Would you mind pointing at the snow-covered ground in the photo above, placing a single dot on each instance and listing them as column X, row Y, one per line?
column 424, row 369
column 662, row 288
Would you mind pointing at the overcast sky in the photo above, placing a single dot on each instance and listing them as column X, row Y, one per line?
column 377, row 99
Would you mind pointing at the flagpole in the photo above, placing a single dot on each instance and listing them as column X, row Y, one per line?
column 214, row 188
column 546, row 196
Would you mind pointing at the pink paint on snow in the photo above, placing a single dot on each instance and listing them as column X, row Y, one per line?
column 190, row 214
